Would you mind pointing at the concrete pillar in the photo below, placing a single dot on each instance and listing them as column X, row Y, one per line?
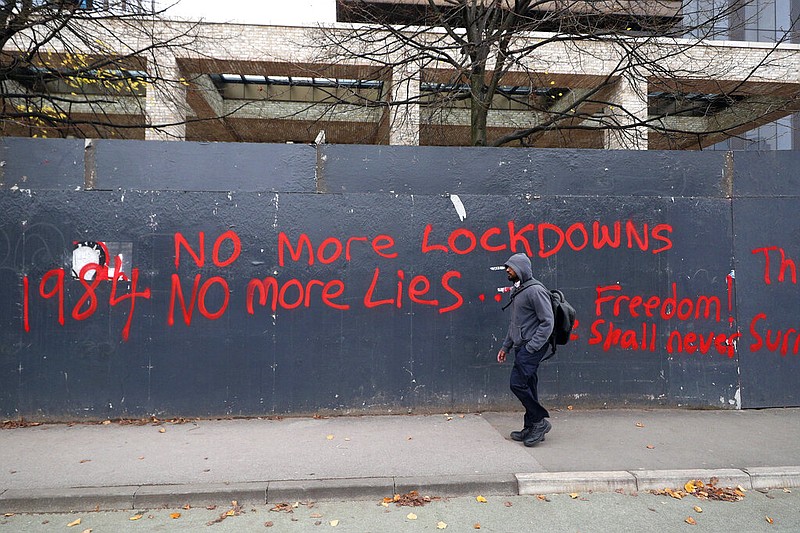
column 628, row 105
column 404, row 117
column 165, row 106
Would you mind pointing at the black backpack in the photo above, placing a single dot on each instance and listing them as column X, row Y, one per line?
column 563, row 315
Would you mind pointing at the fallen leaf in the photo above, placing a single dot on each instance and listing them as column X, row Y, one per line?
column 508, row 504
column 410, row 499
column 639, row 425
column 162, row 430
column 787, row 491
column 282, row 507
column 697, row 509
column 691, row 521
column 441, row 525
column 480, row 499
column 268, row 524
column 411, row 516
column 678, row 495
column 315, row 515
column 87, row 530
column 235, row 511
column 542, row 497
column 693, row 485
column 329, row 437
column 574, row 495
column 769, row 520
column 86, row 461
column 334, row 523
column 175, row 516
column 8, row 514
column 476, row 526
column 570, row 408
column 136, row 517
column 651, row 447
column 74, row 523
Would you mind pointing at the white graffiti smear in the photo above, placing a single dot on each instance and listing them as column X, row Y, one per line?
column 462, row 213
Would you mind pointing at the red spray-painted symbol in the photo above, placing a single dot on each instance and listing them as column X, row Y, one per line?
column 729, row 280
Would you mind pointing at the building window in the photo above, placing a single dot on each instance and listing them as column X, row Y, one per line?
column 297, row 88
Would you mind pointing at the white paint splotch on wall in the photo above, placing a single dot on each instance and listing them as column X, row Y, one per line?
column 462, row 212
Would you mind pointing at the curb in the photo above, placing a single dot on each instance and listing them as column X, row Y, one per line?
column 87, row 499
column 755, row 478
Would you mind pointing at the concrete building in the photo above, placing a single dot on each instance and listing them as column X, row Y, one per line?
column 235, row 82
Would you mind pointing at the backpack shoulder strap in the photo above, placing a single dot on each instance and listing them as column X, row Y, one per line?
column 531, row 282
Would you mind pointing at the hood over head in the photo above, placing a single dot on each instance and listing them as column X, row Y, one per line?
column 521, row 264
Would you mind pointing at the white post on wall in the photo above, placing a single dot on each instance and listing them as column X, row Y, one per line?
column 166, row 106
column 404, row 116
column 628, row 107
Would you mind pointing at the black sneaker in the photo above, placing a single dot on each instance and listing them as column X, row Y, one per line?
column 520, row 436
column 537, row 434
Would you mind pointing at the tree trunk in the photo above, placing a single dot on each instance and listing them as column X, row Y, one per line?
column 478, row 122
column 478, row 108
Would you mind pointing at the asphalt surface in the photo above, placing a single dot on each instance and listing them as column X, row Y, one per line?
column 118, row 466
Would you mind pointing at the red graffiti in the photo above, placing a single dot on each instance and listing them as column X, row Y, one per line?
column 271, row 286
column 417, row 288
column 89, row 295
column 200, row 257
column 784, row 264
column 609, row 335
column 58, row 289
column 132, row 295
column 198, row 298
column 729, row 286
column 88, row 302
column 330, row 249
column 552, row 238
column 773, row 341
column 26, row 303
column 610, row 299
column 652, row 306
column 691, row 342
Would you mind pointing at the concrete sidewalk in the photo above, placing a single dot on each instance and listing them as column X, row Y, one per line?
column 59, row 467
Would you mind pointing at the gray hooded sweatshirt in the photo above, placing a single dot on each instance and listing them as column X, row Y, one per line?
column 531, row 311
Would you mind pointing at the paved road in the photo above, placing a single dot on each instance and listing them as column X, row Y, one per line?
column 595, row 512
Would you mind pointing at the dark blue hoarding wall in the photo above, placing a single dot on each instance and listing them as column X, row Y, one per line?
column 190, row 279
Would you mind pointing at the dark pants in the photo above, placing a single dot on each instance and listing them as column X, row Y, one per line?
column 524, row 382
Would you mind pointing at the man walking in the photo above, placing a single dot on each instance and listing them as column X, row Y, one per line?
column 529, row 329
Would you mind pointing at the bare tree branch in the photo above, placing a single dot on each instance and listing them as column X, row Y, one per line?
column 487, row 53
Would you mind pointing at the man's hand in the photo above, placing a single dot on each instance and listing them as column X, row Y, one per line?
column 501, row 356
